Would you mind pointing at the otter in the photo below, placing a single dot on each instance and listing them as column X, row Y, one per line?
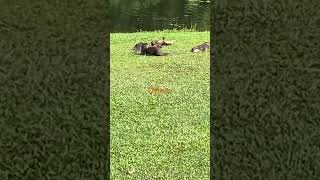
column 144, row 49
column 139, row 48
column 202, row 47
column 162, row 42
column 154, row 50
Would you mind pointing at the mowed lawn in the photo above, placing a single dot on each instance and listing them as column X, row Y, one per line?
column 165, row 135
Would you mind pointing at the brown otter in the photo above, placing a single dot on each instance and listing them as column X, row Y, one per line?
column 145, row 49
column 162, row 42
column 202, row 47
column 153, row 50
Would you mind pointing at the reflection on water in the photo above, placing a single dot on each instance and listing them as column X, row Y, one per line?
column 148, row 15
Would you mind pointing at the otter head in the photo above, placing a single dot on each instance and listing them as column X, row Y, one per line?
column 140, row 48
column 144, row 45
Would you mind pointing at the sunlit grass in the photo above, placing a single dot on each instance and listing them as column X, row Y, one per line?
column 163, row 135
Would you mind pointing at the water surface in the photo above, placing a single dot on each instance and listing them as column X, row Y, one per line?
column 149, row 15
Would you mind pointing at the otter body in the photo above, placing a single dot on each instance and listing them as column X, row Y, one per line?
column 201, row 48
column 161, row 42
column 145, row 49
column 153, row 50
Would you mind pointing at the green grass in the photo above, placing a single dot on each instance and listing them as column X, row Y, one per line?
column 162, row 135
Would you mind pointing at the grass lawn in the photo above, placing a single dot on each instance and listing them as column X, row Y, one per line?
column 165, row 135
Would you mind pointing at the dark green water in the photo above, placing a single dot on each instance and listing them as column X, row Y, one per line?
column 148, row 15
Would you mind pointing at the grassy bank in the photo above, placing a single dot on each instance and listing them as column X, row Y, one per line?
column 164, row 135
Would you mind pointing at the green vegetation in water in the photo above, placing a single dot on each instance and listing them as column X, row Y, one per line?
column 162, row 133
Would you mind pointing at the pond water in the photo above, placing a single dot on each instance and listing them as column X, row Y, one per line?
column 149, row 15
